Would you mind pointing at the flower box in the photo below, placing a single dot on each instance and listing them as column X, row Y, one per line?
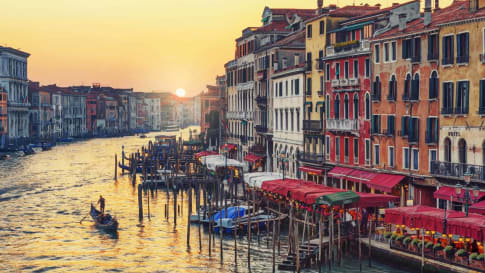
column 478, row 264
column 463, row 260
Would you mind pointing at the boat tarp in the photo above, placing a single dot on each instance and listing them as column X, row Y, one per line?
column 338, row 198
column 309, row 192
column 232, row 212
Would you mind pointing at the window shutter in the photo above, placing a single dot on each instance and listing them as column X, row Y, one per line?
column 372, row 124
column 417, row 43
column 436, row 132
column 445, row 47
column 404, row 49
column 403, row 124
column 482, row 91
column 452, row 53
column 466, row 44
column 467, row 95
column 417, row 128
column 411, row 128
column 458, row 45
column 430, row 46
column 431, row 88
column 428, row 129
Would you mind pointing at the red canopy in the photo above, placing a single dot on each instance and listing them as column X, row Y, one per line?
column 229, row 147
column 478, row 207
column 375, row 200
column 403, row 215
column 472, row 226
column 282, row 187
column 309, row 192
column 446, row 193
column 433, row 219
column 310, row 170
column 385, row 182
column 205, row 153
column 252, row 158
column 339, row 172
column 360, row 176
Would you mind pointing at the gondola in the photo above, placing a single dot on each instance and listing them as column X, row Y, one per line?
column 46, row 147
column 105, row 222
column 28, row 150
column 4, row 156
column 143, row 136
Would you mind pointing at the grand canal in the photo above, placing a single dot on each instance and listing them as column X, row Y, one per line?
column 44, row 196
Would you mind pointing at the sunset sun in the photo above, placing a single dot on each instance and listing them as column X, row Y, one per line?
column 180, row 92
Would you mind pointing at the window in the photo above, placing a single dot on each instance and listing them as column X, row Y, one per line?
column 376, row 54
column 298, row 120
column 462, row 48
column 415, row 159
column 309, row 86
column 433, row 47
column 276, row 119
column 286, row 87
column 346, row 149
column 405, row 157
column 292, row 120
column 320, row 60
column 433, row 85
column 432, row 130
column 433, row 156
column 286, row 119
column 392, row 89
column 309, row 61
column 393, row 51
column 337, row 107
column 407, row 87
column 413, row 135
column 321, row 86
column 346, row 106
column 337, row 149
column 481, row 107
column 346, row 70
column 281, row 89
column 462, row 151
column 327, row 72
column 327, row 107
column 415, row 87
column 337, row 71
column 376, row 155
column 376, row 124
column 367, row 68
column 376, row 89
column 447, row 98
column 406, row 48
column 448, row 51
column 390, row 156
column 391, row 125
column 447, row 150
column 367, row 151
column 322, row 27
column 276, row 89
column 462, row 94
column 356, row 150
column 281, row 120
column 367, row 106
column 297, row 87
column 416, row 50
column 356, row 106
column 356, row 69
column 327, row 145
column 386, row 52
column 309, row 31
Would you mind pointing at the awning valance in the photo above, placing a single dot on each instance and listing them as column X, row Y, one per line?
column 478, row 207
column 339, row 172
column 311, row 170
column 252, row 158
column 229, row 147
column 360, row 176
column 449, row 193
column 385, row 182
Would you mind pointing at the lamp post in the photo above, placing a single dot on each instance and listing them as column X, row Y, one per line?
column 225, row 163
column 466, row 195
column 283, row 161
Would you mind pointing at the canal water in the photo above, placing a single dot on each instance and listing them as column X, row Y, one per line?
column 44, row 196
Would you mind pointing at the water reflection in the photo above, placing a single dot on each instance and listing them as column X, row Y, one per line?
column 44, row 196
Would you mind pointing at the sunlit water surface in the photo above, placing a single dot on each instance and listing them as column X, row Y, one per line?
column 44, row 196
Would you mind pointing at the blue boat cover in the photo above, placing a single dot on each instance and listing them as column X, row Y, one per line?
column 232, row 212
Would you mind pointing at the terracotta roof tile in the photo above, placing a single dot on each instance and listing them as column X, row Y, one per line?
column 352, row 11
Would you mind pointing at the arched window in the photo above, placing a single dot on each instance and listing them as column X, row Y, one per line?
column 376, row 89
column 415, row 87
column 346, row 106
column 462, row 151
column 434, row 85
column 356, row 106
column 327, row 107
column 392, row 89
column 367, row 106
column 407, row 87
column 447, row 148
column 337, row 107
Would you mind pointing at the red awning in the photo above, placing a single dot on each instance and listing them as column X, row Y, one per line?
column 472, row 226
column 252, row 158
column 360, row 176
column 385, row 182
column 229, row 147
column 446, row 193
column 375, row 200
column 478, row 207
column 339, row 172
column 403, row 215
column 205, row 153
column 310, row 170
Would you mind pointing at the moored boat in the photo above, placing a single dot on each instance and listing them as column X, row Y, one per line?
column 103, row 221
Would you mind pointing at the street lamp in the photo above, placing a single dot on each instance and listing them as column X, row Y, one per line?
column 226, row 150
column 466, row 195
column 283, row 161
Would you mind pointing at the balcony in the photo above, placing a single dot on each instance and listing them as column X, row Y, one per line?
column 389, row 132
column 354, row 82
column 312, row 125
column 243, row 139
column 462, row 59
column 261, row 75
column 348, row 48
column 311, row 158
column 319, row 65
column 431, row 137
column 413, row 138
column 343, row 125
column 261, row 101
column 261, row 129
column 335, row 83
column 457, row 170
column 344, row 82
column 482, row 58
column 308, row 93
column 308, row 66
column 416, row 59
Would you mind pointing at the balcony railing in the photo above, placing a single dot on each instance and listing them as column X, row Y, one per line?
column 354, row 82
column 312, row 125
column 342, row 125
column 462, row 59
column 344, row 82
column 349, row 47
column 416, row 59
column 319, row 65
column 308, row 65
column 335, row 83
column 261, row 75
column 261, row 100
column 311, row 158
column 261, row 128
column 320, row 93
column 243, row 139
column 457, row 170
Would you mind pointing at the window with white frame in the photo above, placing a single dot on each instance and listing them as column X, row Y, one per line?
column 415, row 159
column 393, row 51
column 337, row 149
column 327, row 146
column 390, row 156
column 367, row 152
column 433, row 156
column 376, row 154
column 356, row 150
column 405, row 157
column 386, row 52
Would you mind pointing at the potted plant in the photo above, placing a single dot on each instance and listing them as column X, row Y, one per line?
column 428, row 247
column 415, row 245
column 476, row 261
column 399, row 240
column 406, row 241
column 438, row 249
column 461, row 257
column 448, row 252
column 388, row 235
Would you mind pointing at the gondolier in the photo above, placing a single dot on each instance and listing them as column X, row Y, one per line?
column 101, row 203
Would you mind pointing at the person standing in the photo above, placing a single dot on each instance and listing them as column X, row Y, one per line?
column 101, row 203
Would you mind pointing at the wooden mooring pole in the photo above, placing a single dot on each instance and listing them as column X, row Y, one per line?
column 189, row 192
column 140, row 204
column 116, row 166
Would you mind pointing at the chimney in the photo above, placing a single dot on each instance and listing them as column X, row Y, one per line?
column 436, row 5
column 402, row 21
column 473, row 5
column 320, row 6
column 427, row 13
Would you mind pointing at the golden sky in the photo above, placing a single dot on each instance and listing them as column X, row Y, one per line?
column 144, row 44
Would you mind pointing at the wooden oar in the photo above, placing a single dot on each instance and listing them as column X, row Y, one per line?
column 80, row 222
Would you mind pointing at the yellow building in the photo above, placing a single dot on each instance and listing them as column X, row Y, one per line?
column 462, row 94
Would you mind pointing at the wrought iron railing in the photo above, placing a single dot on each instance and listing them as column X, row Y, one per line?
column 457, row 170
